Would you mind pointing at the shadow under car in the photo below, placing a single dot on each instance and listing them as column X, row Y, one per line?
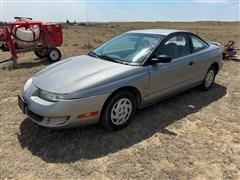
column 69, row 145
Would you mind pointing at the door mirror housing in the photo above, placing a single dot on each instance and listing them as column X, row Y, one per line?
column 160, row 59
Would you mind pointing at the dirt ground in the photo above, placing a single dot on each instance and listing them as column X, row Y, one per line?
column 194, row 135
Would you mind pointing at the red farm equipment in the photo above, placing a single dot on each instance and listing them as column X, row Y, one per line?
column 26, row 35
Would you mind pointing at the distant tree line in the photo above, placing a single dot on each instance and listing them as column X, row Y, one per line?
column 71, row 23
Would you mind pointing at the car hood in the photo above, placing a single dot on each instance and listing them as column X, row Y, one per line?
column 80, row 73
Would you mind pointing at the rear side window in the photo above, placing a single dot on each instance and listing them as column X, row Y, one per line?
column 197, row 43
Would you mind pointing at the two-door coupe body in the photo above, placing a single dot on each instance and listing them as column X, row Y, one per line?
column 131, row 71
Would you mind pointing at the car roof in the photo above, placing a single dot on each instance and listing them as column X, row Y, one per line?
column 164, row 32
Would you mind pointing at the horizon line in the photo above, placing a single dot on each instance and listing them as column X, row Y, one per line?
column 172, row 21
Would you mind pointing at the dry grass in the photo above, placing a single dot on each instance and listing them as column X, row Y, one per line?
column 194, row 135
column 87, row 46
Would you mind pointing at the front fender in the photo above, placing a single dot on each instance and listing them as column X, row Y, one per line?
column 140, row 81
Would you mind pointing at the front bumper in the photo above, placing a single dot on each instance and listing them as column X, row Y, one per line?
column 68, row 112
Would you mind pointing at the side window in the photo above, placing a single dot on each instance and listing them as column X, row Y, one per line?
column 175, row 47
column 197, row 43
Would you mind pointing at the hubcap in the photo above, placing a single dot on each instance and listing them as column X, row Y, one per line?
column 121, row 111
column 54, row 55
column 209, row 78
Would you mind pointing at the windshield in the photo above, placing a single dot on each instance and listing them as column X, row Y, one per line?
column 128, row 47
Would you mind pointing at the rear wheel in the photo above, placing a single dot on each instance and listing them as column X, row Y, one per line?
column 209, row 79
column 54, row 55
column 118, row 111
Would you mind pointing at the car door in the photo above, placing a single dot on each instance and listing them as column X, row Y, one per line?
column 166, row 78
column 200, row 56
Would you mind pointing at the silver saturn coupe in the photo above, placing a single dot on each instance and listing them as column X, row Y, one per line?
column 130, row 71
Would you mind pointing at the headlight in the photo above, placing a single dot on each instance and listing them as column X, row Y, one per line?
column 27, row 84
column 50, row 96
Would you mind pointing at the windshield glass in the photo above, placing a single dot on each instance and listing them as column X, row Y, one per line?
column 128, row 47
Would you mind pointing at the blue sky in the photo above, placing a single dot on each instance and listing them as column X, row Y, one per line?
column 122, row 10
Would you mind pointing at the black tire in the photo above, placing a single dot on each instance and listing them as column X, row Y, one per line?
column 54, row 55
column 4, row 47
column 205, row 84
column 106, row 120
column 41, row 52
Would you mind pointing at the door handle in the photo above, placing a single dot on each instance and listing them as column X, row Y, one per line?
column 190, row 63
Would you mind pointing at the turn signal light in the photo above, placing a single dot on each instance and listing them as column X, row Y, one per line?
column 90, row 114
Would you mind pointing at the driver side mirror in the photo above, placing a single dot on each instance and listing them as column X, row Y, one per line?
column 160, row 59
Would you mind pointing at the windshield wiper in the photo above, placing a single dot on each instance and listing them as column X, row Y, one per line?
column 93, row 54
column 105, row 57
column 112, row 59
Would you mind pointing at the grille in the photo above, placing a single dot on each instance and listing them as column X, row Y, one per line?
column 34, row 116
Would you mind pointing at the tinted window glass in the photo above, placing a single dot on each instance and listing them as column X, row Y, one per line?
column 197, row 43
column 175, row 47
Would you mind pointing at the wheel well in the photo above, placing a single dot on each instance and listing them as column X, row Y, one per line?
column 131, row 89
column 136, row 93
column 216, row 66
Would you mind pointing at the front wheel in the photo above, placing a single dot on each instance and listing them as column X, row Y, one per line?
column 4, row 47
column 209, row 79
column 54, row 55
column 118, row 111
